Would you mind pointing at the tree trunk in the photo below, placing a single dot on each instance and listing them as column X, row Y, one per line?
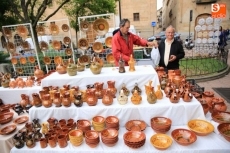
column 36, row 43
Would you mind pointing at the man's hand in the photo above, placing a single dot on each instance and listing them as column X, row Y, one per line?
column 172, row 58
column 153, row 43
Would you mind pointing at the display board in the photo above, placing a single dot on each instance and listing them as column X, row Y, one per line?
column 207, row 35
column 20, row 45
column 97, row 31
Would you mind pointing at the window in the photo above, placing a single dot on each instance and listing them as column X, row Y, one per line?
column 136, row 17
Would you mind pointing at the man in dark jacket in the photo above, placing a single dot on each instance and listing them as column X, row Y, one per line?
column 171, row 51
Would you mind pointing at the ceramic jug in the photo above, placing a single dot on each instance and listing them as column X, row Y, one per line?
column 112, row 88
column 25, row 100
column 91, row 97
column 57, row 99
column 174, row 96
column 131, row 63
column 136, row 88
column 187, row 95
column 148, row 88
column 122, row 98
column 78, row 100
column 136, row 98
column 45, row 128
column 159, row 93
column 99, row 89
column 61, row 69
column 218, row 105
column 121, row 63
column 80, row 67
column 38, row 73
column 46, row 102
column 107, row 98
column 95, row 66
column 66, row 100
column 37, row 102
column 151, row 97
column 125, row 89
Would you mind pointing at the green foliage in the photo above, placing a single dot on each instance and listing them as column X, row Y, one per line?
column 78, row 8
column 4, row 56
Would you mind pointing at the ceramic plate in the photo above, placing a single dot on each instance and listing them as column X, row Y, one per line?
column 198, row 28
column 216, row 27
column 31, row 59
column 23, row 60
column 211, row 33
column 54, row 29
column 217, row 33
column 65, row 27
column 21, row 119
column 198, row 40
column 204, row 27
column 199, row 34
column 217, row 20
column 46, row 60
column 209, row 20
column 205, row 34
column 201, row 21
column 68, row 52
column 210, row 27
column 204, row 40
column 14, row 60
column 66, row 40
column 110, row 58
column 8, row 129
column 210, row 40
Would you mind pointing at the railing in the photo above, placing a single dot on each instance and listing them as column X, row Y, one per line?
column 204, row 65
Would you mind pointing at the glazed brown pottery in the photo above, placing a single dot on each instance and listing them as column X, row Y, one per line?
column 148, row 88
column 57, row 99
column 61, row 69
column 121, row 63
column 174, row 96
column 160, row 72
column 208, row 95
column 107, row 98
column 159, row 93
column 176, row 80
column 91, row 97
column 43, row 143
column 72, row 69
column 168, row 89
column 25, row 100
column 151, row 97
column 66, row 100
column 136, row 98
column 38, row 73
column 218, row 105
column 112, row 88
column 95, row 66
column 47, row 102
column 36, row 100
column 62, row 141
column 99, row 89
column 187, row 95
column 52, row 142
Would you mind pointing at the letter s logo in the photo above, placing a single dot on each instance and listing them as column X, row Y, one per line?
column 215, row 7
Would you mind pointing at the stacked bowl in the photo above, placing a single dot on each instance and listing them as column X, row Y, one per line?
column 109, row 137
column 134, row 139
column 83, row 125
column 92, row 138
column 98, row 123
column 161, row 124
column 112, row 122
column 76, row 137
column 135, row 125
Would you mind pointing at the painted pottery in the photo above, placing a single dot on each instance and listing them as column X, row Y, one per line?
column 125, row 89
column 66, row 100
column 46, row 102
column 107, row 98
column 136, row 98
column 99, row 89
column 174, row 96
column 95, row 66
column 122, row 97
column 187, row 97
column 121, row 63
column 151, row 97
column 136, row 88
column 91, row 97
column 37, row 102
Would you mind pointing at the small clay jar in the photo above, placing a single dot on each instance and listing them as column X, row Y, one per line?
column 174, row 96
column 159, row 93
column 78, row 100
column 112, row 88
column 99, row 89
column 136, row 88
column 57, row 99
column 121, row 63
column 168, row 89
column 151, row 97
column 91, row 97
column 148, row 88
column 52, row 141
column 66, row 100
column 46, row 102
column 61, row 69
column 187, row 97
column 37, row 102
column 218, row 105
column 25, row 100
column 62, row 141
column 43, row 143
column 72, row 69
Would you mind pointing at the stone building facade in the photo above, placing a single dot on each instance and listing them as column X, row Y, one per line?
column 177, row 14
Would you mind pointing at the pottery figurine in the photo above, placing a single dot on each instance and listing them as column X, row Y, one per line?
column 125, row 89
column 159, row 93
column 136, row 88
column 95, row 66
column 121, row 64
column 72, row 69
column 122, row 97
column 107, row 98
column 37, row 102
column 151, row 97
column 131, row 63
column 136, row 98
column 45, row 128
column 112, row 88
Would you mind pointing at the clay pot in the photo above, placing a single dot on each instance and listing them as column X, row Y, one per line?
column 21, row 84
column 187, row 97
column 121, row 64
column 29, row 83
column 62, row 141
column 204, row 105
column 136, row 98
column 43, row 143
column 122, row 98
column 159, row 93
column 36, row 100
column 176, row 80
column 12, row 84
column 57, row 99
column 91, row 97
column 72, row 69
column 171, row 74
column 66, row 100
column 78, row 100
column 38, row 73
column 95, row 67
column 168, row 89
column 148, row 88
column 107, row 98
column 52, row 122
column 174, row 96
column 208, row 95
column 52, row 142
column 151, row 97
column 99, row 89
column 25, row 100
column 61, row 69
column 218, row 105
column 136, row 88
column 5, row 83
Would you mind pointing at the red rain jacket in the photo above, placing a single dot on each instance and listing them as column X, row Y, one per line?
column 119, row 46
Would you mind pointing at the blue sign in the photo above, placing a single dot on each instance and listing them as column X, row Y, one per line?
column 154, row 24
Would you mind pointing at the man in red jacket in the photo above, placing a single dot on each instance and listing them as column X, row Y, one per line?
column 123, row 41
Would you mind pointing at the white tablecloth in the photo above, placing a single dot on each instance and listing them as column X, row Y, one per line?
column 6, row 142
column 141, row 76
column 180, row 113
column 212, row 143
column 12, row 96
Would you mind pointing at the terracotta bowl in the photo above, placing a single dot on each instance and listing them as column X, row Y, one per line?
column 134, row 125
column 109, row 133
column 159, row 130
column 200, row 127
column 91, row 135
column 98, row 119
column 21, row 119
column 6, row 117
column 161, row 141
column 221, row 117
column 65, row 27
column 134, row 139
column 76, row 137
column 83, row 123
column 224, row 129
column 183, row 137
column 161, row 122
column 8, row 129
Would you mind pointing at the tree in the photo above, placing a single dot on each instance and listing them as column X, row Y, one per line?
column 78, row 8
column 32, row 11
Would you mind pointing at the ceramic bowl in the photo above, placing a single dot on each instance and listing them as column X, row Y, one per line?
column 134, row 139
column 6, row 117
column 54, row 29
column 43, row 46
column 112, row 120
column 224, row 129
column 56, row 44
column 101, row 26
column 108, row 41
column 8, row 129
column 65, row 27
column 183, row 137
column 135, row 125
column 200, row 127
column 98, row 119
column 161, row 122
column 76, row 137
column 97, row 47
column 110, row 59
column 21, row 119
column 84, row 25
column 66, row 40
column 161, row 141
column 221, row 117
column 109, row 133
column 31, row 59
